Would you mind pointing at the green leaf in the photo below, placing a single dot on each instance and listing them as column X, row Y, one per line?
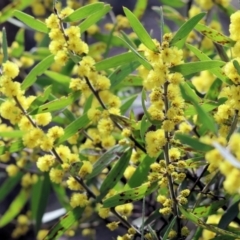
column 141, row 173
column 131, row 80
column 207, row 107
column 15, row 147
column 229, row 215
column 170, row 227
column 64, row 224
column 115, row 41
column 94, row 18
column 115, row 174
column 31, row 21
column 8, row 11
column 115, row 61
column 61, row 194
column 188, row 93
column 127, row 104
column 42, row 98
column 39, row 199
column 59, row 78
column 203, row 57
column 190, row 216
column 131, row 46
column 214, row 90
column 131, row 195
column 56, row 104
column 236, row 65
column 122, row 72
column 9, row 184
column 196, row 162
column 4, row 45
column 12, row 134
column 214, row 35
column 15, row 207
column 20, row 39
column 205, row 119
column 88, row 103
column 84, row 12
column 107, row 158
column 207, row 210
column 185, row 29
column 140, row 8
column 194, row 67
column 145, row 124
column 141, row 32
column 174, row 3
column 74, row 127
column 36, row 71
column 193, row 142
column 75, row 167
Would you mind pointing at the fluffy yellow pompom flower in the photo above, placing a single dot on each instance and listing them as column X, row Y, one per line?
column 104, row 212
column 78, row 200
column 52, row 21
column 125, row 209
column 129, row 171
column 94, row 114
column 155, row 140
column 56, row 175
column 73, row 184
column 63, row 152
column 45, row 162
column 85, row 169
column 12, row 170
column 42, row 234
column 112, row 226
column 47, row 144
column 43, row 119
column 105, row 126
column 55, row 132
column 234, row 27
column 10, row 69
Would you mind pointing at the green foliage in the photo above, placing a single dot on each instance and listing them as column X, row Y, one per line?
column 108, row 119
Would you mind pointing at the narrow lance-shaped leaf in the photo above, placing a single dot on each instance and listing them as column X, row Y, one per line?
column 141, row 32
column 165, row 236
column 194, row 67
column 128, row 103
column 203, row 57
column 193, row 142
column 94, row 18
column 115, row 174
column 84, row 12
column 122, row 72
column 140, row 7
column 68, row 220
column 9, row 184
column 36, row 71
column 14, row 147
column 140, row 174
column 185, row 29
column 190, row 216
column 8, row 11
column 108, row 157
column 115, row 61
column 131, row 195
column 206, row 120
column 15, row 207
column 31, row 21
column 229, row 215
column 59, row 78
column 214, row 35
column 207, row 210
column 74, row 127
column 56, row 104
column 39, row 199
column 140, row 58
